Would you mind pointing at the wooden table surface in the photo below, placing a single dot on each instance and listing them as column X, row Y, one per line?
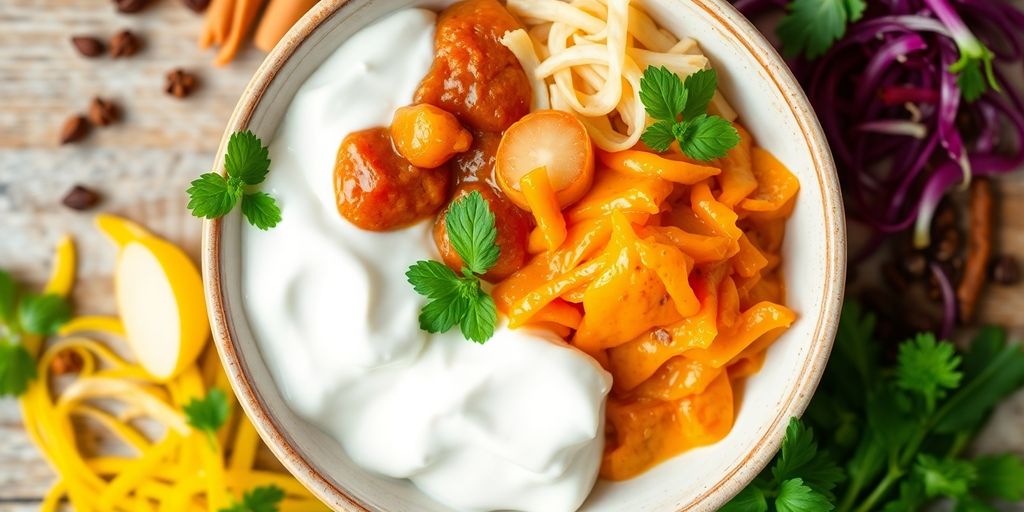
column 142, row 166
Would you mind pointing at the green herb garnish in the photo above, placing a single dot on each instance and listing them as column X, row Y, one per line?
column 208, row 414
column 666, row 98
column 260, row 499
column 811, row 27
column 28, row 314
column 456, row 299
column 897, row 431
column 247, row 162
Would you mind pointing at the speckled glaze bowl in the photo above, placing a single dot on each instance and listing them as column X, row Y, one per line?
column 772, row 106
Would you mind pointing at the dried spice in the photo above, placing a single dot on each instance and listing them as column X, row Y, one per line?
column 66, row 362
column 124, row 44
column 103, row 112
column 130, row 6
column 196, row 5
column 1005, row 270
column 81, row 198
column 75, row 129
column 180, row 83
column 88, row 46
column 979, row 249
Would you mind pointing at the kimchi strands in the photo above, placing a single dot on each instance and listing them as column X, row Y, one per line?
column 662, row 274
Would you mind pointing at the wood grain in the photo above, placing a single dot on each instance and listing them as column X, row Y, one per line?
column 143, row 164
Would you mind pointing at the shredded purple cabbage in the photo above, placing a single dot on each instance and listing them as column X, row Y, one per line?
column 893, row 109
column 905, row 124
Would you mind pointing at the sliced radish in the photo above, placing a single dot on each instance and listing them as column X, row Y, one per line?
column 551, row 139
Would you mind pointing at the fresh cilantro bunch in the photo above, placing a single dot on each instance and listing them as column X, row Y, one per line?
column 461, row 299
column 23, row 314
column 896, row 430
column 208, row 414
column 260, row 499
column 811, row 27
column 247, row 162
column 666, row 98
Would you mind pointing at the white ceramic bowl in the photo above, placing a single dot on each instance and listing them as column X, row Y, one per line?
column 771, row 105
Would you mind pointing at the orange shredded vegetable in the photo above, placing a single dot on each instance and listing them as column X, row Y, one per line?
column 667, row 272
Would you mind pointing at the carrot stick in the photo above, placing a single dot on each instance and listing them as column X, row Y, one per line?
column 218, row 16
column 244, row 15
column 277, row 19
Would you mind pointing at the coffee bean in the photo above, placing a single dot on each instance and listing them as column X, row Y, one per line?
column 81, row 198
column 88, row 46
column 130, row 6
column 196, row 5
column 74, row 129
column 124, row 44
column 103, row 112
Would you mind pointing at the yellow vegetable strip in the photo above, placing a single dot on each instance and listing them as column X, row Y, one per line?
column 52, row 499
column 99, row 387
column 243, row 452
column 129, row 435
column 109, row 325
column 140, row 469
column 543, row 203
column 63, row 273
column 213, row 465
column 300, row 506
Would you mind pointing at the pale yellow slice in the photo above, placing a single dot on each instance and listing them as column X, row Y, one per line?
column 159, row 295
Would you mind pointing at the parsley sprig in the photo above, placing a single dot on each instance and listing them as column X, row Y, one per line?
column 208, row 414
column 24, row 314
column 461, row 299
column 811, row 27
column 247, row 162
column 667, row 98
column 260, row 499
column 897, row 431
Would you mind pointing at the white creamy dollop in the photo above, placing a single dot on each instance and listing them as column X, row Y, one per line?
column 515, row 424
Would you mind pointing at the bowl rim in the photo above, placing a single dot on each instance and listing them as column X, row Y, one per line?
column 733, row 480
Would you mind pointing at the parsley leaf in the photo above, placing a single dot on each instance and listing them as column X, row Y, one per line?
column 658, row 136
column 1000, row 476
column 260, row 499
column 799, row 457
column 17, row 369
column 706, row 137
column 812, row 26
column 456, row 299
column 665, row 96
column 478, row 323
column 751, row 499
column 212, row 196
column 928, row 368
column 993, row 369
column 700, row 88
column 944, row 477
column 261, row 210
column 8, row 297
column 794, row 496
column 43, row 314
column 208, row 414
column 247, row 158
column 472, row 232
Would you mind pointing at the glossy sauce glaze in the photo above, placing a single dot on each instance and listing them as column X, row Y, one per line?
column 476, row 427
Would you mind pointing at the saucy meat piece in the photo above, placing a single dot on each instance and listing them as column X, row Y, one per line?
column 378, row 190
column 477, row 163
column 514, row 226
column 474, row 76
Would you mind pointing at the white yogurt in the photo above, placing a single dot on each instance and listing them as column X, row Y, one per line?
column 515, row 424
